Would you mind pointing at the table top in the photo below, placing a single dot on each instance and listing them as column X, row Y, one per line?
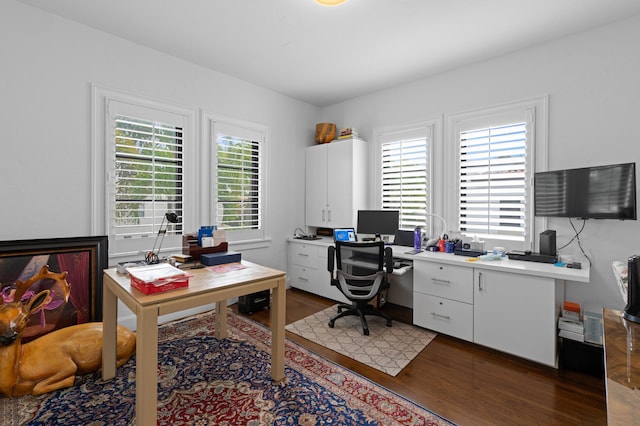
column 622, row 362
column 202, row 280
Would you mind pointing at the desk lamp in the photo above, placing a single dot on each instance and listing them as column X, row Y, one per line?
column 152, row 257
column 434, row 241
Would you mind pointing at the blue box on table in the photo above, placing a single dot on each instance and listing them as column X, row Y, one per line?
column 212, row 259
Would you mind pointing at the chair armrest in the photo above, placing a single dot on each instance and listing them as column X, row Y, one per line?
column 388, row 259
column 331, row 255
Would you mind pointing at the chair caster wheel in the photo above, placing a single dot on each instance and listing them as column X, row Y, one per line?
column 365, row 331
column 331, row 324
column 389, row 323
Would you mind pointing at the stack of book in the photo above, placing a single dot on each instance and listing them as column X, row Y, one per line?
column 570, row 325
column 348, row 133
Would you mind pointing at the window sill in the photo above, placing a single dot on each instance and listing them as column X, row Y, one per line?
column 250, row 244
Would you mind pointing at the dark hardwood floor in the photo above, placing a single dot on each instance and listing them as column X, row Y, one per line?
column 469, row 384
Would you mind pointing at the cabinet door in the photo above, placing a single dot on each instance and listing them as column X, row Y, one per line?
column 316, row 185
column 515, row 313
column 340, row 184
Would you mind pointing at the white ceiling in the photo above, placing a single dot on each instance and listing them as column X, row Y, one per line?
column 323, row 55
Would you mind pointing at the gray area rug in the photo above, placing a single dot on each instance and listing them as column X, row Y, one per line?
column 388, row 349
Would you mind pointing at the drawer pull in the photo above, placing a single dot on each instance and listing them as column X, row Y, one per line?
column 303, row 254
column 439, row 281
column 440, row 315
column 303, row 279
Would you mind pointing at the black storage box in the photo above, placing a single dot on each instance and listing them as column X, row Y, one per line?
column 254, row 302
column 582, row 356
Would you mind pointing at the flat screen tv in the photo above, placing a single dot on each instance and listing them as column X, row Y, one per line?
column 603, row 192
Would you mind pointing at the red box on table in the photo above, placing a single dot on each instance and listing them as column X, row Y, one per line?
column 150, row 288
column 157, row 278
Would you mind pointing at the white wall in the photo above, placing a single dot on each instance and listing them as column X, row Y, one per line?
column 48, row 66
column 592, row 80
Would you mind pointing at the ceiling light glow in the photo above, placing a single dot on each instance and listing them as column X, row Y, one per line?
column 330, row 2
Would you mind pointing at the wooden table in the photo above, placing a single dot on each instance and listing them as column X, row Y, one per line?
column 205, row 286
column 622, row 367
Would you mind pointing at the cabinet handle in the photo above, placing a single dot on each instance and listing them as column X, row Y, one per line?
column 440, row 315
column 303, row 278
column 479, row 281
column 329, row 215
column 323, row 219
column 303, row 254
column 439, row 281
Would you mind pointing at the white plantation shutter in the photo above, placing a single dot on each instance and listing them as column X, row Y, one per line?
column 147, row 179
column 405, row 176
column 493, row 181
column 239, row 182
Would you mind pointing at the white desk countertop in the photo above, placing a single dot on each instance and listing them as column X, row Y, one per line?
column 505, row 264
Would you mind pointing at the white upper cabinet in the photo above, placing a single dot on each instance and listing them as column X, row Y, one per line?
column 335, row 186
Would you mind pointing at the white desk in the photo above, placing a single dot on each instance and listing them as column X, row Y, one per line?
column 509, row 305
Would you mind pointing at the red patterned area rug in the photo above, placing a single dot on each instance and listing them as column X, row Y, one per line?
column 204, row 381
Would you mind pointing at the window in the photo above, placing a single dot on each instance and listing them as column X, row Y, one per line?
column 496, row 158
column 147, row 178
column 238, row 186
column 405, row 174
column 142, row 172
column 493, row 181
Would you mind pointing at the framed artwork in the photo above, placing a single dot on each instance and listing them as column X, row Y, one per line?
column 78, row 261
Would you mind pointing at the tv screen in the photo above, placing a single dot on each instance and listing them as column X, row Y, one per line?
column 378, row 221
column 603, row 192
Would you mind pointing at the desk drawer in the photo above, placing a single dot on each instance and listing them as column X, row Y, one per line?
column 304, row 278
column 442, row 280
column 443, row 315
column 304, row 254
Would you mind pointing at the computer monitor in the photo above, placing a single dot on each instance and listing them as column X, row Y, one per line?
column 383, row 222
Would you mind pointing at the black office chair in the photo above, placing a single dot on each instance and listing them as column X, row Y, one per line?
column 361, row 270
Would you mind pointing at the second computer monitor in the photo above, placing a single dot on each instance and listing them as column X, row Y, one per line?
column 383, row 222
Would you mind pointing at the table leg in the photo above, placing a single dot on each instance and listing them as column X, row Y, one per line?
column 109, row 335
column 147, row 366
column 221, row 320
column 278, row 319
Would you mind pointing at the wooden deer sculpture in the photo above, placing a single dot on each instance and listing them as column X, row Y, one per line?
column 53, row 360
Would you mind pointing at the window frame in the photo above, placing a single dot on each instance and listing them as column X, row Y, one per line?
column 433, row 134
column 247, row 239
column 105, row 104
column 534, row 112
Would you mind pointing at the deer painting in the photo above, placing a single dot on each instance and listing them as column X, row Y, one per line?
column 51, row 361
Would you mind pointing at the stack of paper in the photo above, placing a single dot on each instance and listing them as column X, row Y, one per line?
column 157, row 278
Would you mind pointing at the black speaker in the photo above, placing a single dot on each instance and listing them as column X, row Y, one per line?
column 548, row 242
column 632, row 310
